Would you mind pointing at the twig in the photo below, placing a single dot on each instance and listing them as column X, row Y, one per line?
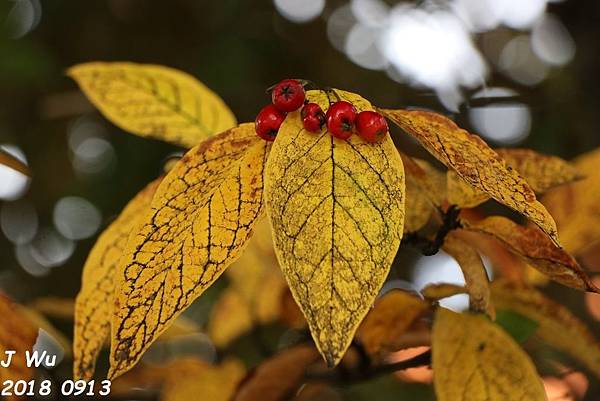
column 359, row 376
column 430, row 247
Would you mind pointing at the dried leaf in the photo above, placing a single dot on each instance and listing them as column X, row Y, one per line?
column 389, row 320
column 8, row 160
column 201, row 216
column 536, row 249
column 461, row 194
column 476, row 279
column 473, row 359
column 557, row 326
column 542, row 172
column 214, row 383
column 337, row 212
column 435, row 292
column 93, row 305
column 279, row 376
column 576, row 208
column 154, row 101
column 475, row 162
column 253, row 297
column 17, row 333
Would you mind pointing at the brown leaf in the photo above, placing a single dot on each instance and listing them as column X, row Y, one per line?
column 475, row 162
column 278, row 377
column 476, row 279
column 392, row 316
column 557, row 326
column 8, row 160
column 17, row 333
column 437, row 291
column 532, row 245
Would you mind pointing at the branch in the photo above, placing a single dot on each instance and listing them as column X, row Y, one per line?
column 430, row 247
column 345, row 376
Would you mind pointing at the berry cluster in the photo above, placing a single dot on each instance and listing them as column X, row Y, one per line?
column 341, row 118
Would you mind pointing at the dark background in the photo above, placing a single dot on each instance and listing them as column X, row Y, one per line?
column 238, row 48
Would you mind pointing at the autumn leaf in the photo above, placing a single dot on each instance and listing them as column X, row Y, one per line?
column 154, row 101
column 214, row 383
column 557, row 326
column 437, row 291
column 425, row 190
column 542, row 172
column 576, row 208
column 254, row 294
column 277, row 377
column 17, row 333
column 476, row 279
column 473, row 359
column 94, row 303
column 475, row 162
column 8, row 160
column 199, row 221
column 54, row 307
column 392, row 316
column 536, row 249
column 337, row 209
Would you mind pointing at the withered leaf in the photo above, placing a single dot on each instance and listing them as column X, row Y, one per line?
column 476, row 279
column 532, row 245
column 392, row 316
column 17, row 333
column 278, row 376
column 475, row 162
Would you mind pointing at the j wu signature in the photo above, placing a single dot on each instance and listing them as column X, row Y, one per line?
column 32, row 359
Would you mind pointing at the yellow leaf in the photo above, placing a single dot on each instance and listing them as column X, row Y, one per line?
column 8, row 160
column 475, row 360
column 532, row 245
column 425, row 190
column 389, row 320
column 475, row 162
column 476, row 279
column 337, row 210
column 17, row 333
column 255, row 291
column 154, row 101
column 93, row 305
column 41, row 323
column 542, row 172
column 575, row 206
column 278, row 377
column 461, row 194
column 54, row 307
column 213, row 383
column 557, row 326
column 200, row 218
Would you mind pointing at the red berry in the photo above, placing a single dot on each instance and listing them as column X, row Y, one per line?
column 268, row 121
column 340, row 119
column 371, row 126
column 288, row 95
column 313, row 117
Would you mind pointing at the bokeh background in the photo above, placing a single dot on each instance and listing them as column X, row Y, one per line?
column 520, row 73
